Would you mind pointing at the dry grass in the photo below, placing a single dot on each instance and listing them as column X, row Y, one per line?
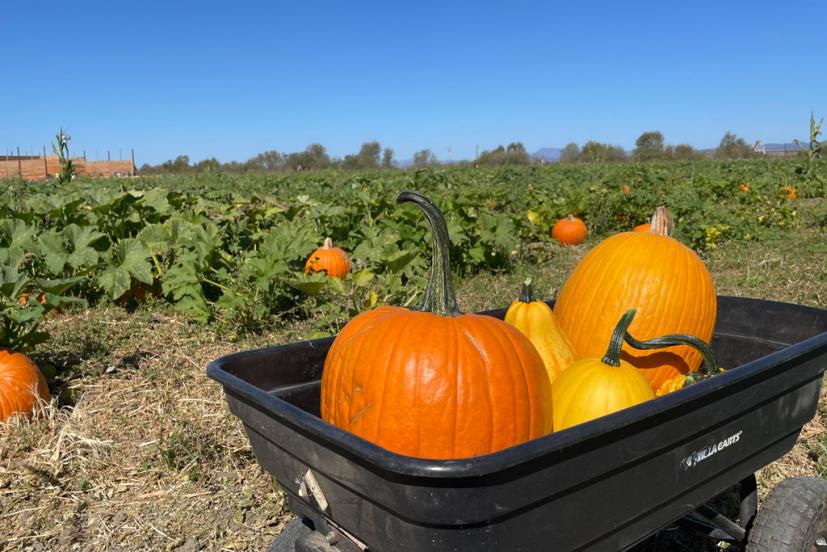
column 147, row 458
column 139, row 452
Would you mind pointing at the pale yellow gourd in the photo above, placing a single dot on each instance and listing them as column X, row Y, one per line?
column 536, row 321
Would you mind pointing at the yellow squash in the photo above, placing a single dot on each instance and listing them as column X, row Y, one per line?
column 592, row 387
column 536, row 321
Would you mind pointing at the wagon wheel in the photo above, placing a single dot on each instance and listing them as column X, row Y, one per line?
column 286, row 541
column 793, row 518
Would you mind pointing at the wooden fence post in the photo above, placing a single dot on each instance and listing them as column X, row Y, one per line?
column 134, row 168
column 45, row 163
column 19, row 164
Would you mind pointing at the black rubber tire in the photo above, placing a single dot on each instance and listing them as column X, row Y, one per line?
column 791, row 518
column 286, row 541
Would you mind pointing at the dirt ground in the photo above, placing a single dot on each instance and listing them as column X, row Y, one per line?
column 139, row 451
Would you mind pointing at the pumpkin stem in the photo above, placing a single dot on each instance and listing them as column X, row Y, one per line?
column 526, row 292
column 662, row 222
column 328, row 244
column 612, row 356
column 439, row 295
column 710, row 364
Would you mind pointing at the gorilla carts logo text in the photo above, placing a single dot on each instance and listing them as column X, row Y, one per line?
column 699, row 456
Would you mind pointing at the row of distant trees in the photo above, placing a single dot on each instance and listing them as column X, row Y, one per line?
column 650, row 146
column 370, row 156
column 314, row 157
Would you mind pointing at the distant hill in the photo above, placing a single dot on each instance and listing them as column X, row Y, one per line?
column 547, row 154
column 788, row 146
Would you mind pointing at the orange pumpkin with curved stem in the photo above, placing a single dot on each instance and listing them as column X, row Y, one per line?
column 21, row 384
column 435, row 383
column 329, row 259
column 569, row 231
column 663, row 279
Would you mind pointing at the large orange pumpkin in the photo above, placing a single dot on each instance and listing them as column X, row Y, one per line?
column 21, row 383
column 435, row 383
column 329, row 259
column 569, row 231
column 664, row 280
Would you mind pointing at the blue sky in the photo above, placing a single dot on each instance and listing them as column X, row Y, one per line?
column 231, row 79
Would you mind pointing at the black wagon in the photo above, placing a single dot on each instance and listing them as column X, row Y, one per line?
column 603, row 485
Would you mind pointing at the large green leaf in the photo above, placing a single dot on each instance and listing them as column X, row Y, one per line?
column 156, row 199
column 17, row 239
column 53, row 250
column 129, row 259
column 82, row 241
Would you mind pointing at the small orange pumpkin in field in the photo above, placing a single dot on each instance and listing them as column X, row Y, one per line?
column 23, row 300
column 569, row 231
column 789, row 191
column 743, row 187
column 21, row 383
column 329, row 259
column 434, row 382
column 642, row 227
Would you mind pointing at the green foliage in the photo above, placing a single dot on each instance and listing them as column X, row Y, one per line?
column 649, row 146
column 230, row 250
column 367, row 158
column 815, row 183
column 595, row 152
column 514, row 154
column 61, row 149
column 24, row 303
column 734, row 147
column 423, row 158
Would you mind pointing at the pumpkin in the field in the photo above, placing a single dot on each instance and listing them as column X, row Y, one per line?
column 642, row 227
column 664, row 280
column 537, row 322
column 569, row 230
column 435, row 383
column 21, row 384
column 328, row 259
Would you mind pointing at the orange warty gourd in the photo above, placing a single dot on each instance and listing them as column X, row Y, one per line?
column 329, row 259
column 537, row 322
column 21, row 383
column 569, row 231
column 594, row 387
column 435, row 383
column 663, row 279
